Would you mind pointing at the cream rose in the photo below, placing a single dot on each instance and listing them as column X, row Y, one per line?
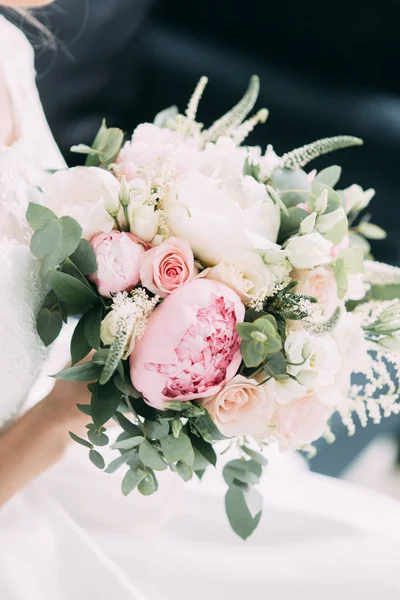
column 81, row 193
column 242, row 407
column 246, row 274
column 308, row 251
column 301, row 421
column 320, row 283
column 143, row 221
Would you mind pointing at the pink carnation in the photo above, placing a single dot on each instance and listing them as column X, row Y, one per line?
column 167, row 267
column 119, row 257
column 190, row 347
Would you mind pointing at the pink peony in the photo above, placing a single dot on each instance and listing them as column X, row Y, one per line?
column 119, row 257
column 319, row 282
column 167, row 267
column 242, row 407
column 190, row 347
column 301, row 421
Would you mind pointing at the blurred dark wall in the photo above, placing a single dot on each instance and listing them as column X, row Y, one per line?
column 325, row 68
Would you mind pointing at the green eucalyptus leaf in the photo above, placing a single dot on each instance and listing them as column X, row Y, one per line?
column 126, row 387
column 207, row 428
column 80, row 440
column 205, row 449
column 92, row 325
column 128, row 444
column 98, row 438
column 84, row 258
column 86, row 372
column 385, row 292
column 155, row 430
column 340, row 273
column 240, row 470
column 149, row 484
column 70, row 290
column 239, row 516
column 131, row 480
column 371, row 231
column 184, row 471
column 121, row 460
column 176, row 426
column 151, row 457
column 79, row 346
column 255, row 456
column 127, row 425
column 254, row 501
column 37, row 215
column 46, row 239
column 176, row 449
column 104, row 403
column 353, row 259
column 97, row 459
column 292, row 184
column 290, row 224
column 329, row 176
column 49, row 325
column 85, row 409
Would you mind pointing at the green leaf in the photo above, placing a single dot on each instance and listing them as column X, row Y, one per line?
column 163, row 117
column 353, row 259
column 371, row 231
column 148, row 485
column 275, row 365
column 205, row 450
column 329, row 176
column 84, row 258
column 86, row 372
column 92, row 325
column 127, row 425
column 128, row 444
column 132, row 478
column 207, row 428
column 156, row 430
column 121, row 460
column 46, row 239
column 176, row 426
column 176, row 449
column 385, row 292
column 184, row 471
column 85, row 409
column 97, row 459
column 70, row 290
column 80, row 440
column 107, row 142
column 151, row 457
column 98, row 438
column 240, row 470
column 293, row 186
column 79, row 346
column 83, row 149
column 37, row 215
column 333, row 197
column 256, row 456
column 239, row 516
column 254, row 501
column 340, row 273
column 105, row 402
column 126, row 387
column 49, row 325
column 290, row 224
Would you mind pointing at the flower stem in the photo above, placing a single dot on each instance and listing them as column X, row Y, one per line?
column 128, row 225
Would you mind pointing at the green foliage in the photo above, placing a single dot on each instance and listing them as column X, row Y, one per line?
column 86, row 372
column 80, row 440
column 121, row 460
column 340, row 273
column 177, row 449
column 290, row 223
column 70, row 290
column 149, row 484
column 128, row 443
column 46, row 239
column 155, row 430
column 275, row 366
column 259, row 339
column 84, row 258
column 104, row 403
column 97, row 436
column 131, row 480
column 37, row 215
column 104, row 149
column 151, row 457
column 293, row 186
column 166, row 116
column 205, row 427
column 79, row 347
column 205, row 449
column 91, row 326
column 371, row 231
column 329, row 176
column 385, row 292
column 49, row 325
column 96, row 459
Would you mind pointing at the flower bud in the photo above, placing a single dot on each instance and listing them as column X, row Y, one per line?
column 124, row 193
column 111, row 201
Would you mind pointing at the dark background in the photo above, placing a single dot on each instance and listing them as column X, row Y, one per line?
column 326, row 68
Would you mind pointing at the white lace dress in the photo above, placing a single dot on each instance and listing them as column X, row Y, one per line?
column 71, row 535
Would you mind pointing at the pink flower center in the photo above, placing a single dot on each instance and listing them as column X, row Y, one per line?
column 204, row 353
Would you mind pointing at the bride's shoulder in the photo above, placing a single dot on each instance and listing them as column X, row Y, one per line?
column 16, row 52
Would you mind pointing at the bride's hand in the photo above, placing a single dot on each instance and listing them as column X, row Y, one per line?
column 60, row 409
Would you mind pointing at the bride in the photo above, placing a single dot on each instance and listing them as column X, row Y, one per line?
column 66, row 531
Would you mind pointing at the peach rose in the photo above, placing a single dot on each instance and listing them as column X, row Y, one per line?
column 319, row 282
column 242, row 407
column 301, row 421
column 190, row 346
column 119, row 257
column 167, row 267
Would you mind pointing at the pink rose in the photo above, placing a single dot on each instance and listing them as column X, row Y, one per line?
column 242, row 407
column 319, row 282
column 167, row 267
column 119, row 257
column 301, row 421
column 190, row 346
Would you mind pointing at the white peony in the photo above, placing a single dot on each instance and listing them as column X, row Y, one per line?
column 214, row 224
column 308, row 251
column 81, row 193
column 313, row 360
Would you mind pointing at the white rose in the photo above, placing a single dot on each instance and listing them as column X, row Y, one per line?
column 213, row 223
column 356, row 199
column 308, row 251
column 313, row 360
column 246, row 274
column 288, row 390
column 143, row 220
column 80, row 193
column 108, row 332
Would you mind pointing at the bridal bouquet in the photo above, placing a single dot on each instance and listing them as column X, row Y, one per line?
column 228, row 295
